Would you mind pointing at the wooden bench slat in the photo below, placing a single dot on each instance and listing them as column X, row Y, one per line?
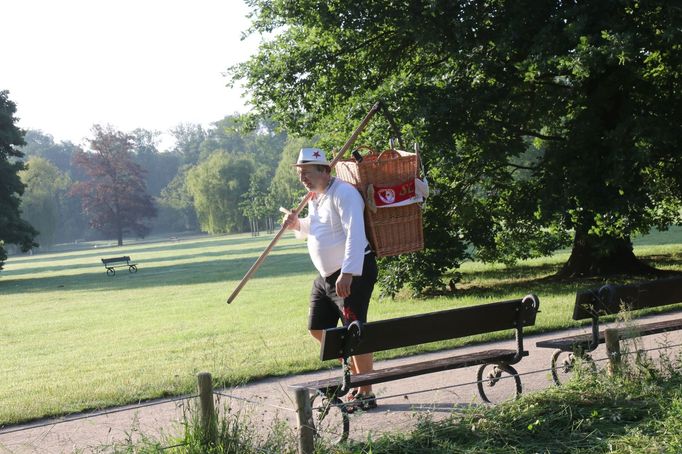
column 424, row 328
column 415, row 369
column 650, row 328
column 124, row 261
column 569, row 343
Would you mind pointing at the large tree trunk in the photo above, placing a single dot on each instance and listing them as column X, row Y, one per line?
column 119, row 233
column 592, row 256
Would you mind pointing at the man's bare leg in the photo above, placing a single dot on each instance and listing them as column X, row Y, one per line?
column 317, row 334
column 359, row 364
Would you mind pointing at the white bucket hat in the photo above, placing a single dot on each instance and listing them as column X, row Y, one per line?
column 311, row 156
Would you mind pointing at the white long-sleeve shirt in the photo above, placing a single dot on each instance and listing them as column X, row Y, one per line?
column 335, row 229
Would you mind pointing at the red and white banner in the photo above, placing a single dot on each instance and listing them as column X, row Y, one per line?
column 414, row 191
column 394, row 195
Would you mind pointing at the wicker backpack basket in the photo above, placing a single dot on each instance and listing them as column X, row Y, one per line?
column 390, row 230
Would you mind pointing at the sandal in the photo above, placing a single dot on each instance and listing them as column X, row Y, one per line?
column 360, row 401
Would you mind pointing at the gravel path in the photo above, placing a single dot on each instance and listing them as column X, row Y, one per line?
column 401, row 403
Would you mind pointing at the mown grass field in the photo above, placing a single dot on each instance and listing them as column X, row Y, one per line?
column 74, row 339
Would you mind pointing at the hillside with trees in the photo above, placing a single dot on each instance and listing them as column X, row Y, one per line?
column 215, row 180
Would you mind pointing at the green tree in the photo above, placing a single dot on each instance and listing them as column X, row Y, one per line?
column 285, row 189
column 226, row 135
column 40, row 144
column 13, row 229
column 46, row 190
column 234, row 135
column 176, row 205
column 216, row 186
column 537, row 118
column 188, row 139
column 160, row 168
column 256, row 204
column 72, row 223
column 265, row 143
column 240, row 134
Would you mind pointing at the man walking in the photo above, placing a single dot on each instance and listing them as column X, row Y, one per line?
column 339, row 249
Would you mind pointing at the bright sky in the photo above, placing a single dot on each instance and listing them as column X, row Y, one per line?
column 69, row 64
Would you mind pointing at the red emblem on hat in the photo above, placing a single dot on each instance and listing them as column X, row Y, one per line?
column 316, row 154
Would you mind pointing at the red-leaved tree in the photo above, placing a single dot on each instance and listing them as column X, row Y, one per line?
column 115, row 195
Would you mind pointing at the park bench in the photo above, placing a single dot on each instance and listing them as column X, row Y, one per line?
column 117, row 262
column 610, row 300
column 344, row 342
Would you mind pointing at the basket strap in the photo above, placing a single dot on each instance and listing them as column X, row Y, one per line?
column 369, row 201
column 385, row 154
column 419, row 165
column 394, row 127
column 369, row 149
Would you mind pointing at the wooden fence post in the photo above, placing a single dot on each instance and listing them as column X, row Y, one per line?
column 613, row 349
column 306, row 430
column 207, row 411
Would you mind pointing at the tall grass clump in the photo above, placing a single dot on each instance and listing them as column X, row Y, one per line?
column 232, row 432
column 236, row 432
column 636, row 410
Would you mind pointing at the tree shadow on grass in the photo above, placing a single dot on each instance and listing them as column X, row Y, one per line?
column 222, row 270
column 542, row 279
column 521, row 279
column 143, row 262
column 136, row 248
column 663, row 260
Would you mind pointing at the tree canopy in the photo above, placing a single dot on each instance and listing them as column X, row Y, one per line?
column 115, row 195
column 216, row 186
column 541, row 122
column 13, row 229
column 164, row 174
column 188, row 140
column 44, row 200
column 285, row 188
column 40, row 144
column 160, row 168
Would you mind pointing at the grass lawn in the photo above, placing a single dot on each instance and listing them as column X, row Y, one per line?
column 73, row 338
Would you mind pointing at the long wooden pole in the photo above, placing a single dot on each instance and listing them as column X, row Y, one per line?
column 339, row 155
